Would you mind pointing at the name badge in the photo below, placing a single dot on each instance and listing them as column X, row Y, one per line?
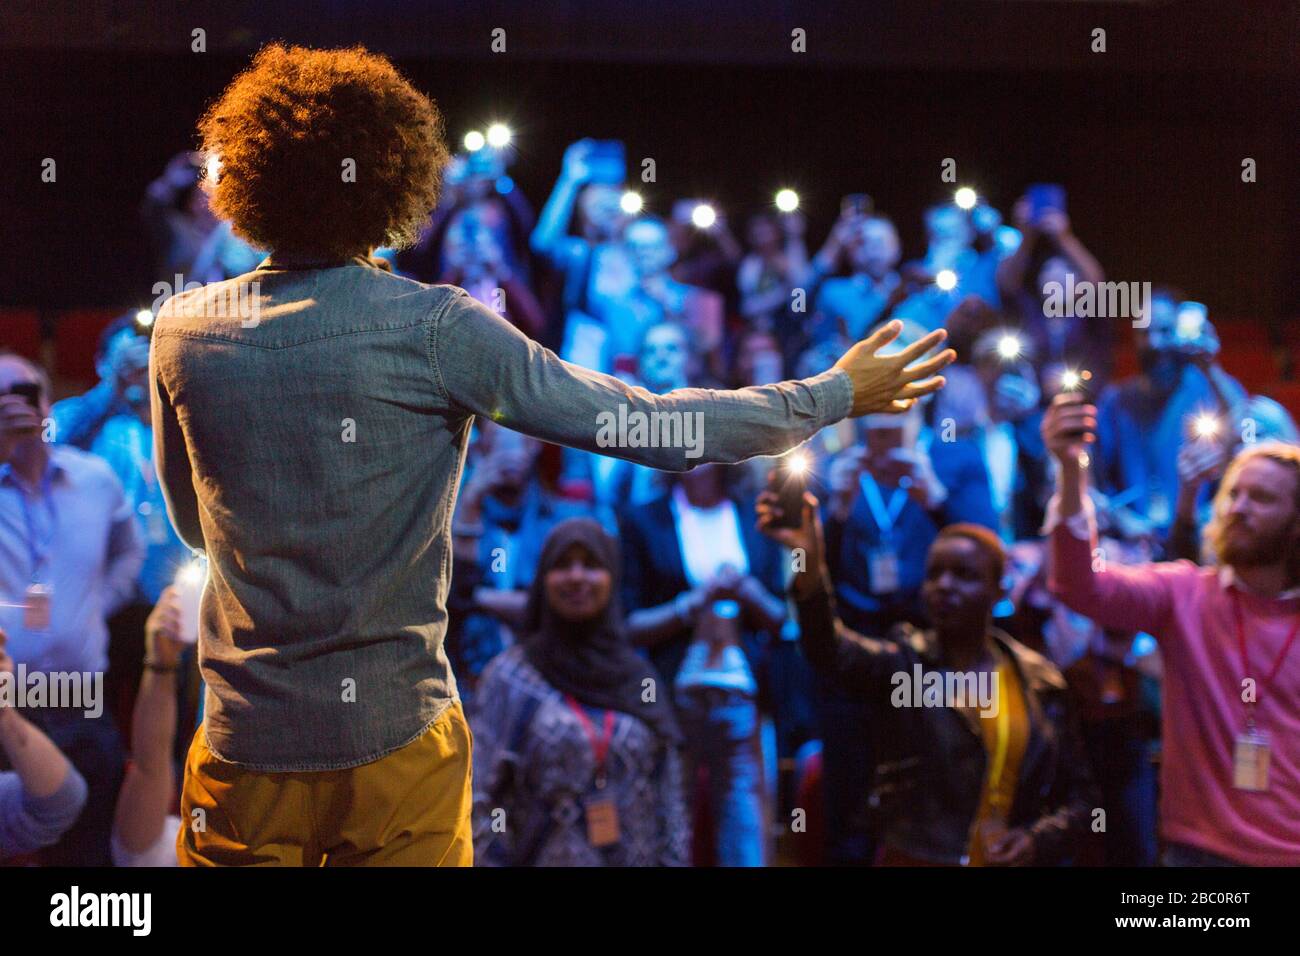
column 36, row 607
column 1250, row 761
column 602, row 822
column 882, row 565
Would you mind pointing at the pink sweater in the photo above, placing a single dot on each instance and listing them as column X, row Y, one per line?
column 1189, row 610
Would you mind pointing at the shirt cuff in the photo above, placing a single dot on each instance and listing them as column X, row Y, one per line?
column 833, row 392
column 1080, row 525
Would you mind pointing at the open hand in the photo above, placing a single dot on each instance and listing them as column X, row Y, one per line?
column 889, row 383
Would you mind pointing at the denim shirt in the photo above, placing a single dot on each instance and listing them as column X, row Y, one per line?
column 314, row 448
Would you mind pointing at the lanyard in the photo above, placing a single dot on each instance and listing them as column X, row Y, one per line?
column 37, row 551
column 884, row 519
column 599, row 746
column 1245, row 659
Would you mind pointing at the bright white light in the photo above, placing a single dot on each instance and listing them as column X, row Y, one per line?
column 193, row 573
column 965, row 198
column 787, row 200
column 474, row 141
column 1205, row 425
column 1009, row 347
column 1070, row 380
column 703, row 216
column 796, row 463
column 631, row 203
column 946, row 280
column 213, row 167
column 144, row 317
column 498, row 135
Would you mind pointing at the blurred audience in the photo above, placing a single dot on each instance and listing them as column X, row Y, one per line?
column 42, row 796
column 639, row 692
column 70, row 553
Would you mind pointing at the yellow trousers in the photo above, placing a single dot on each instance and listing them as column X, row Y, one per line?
column 409, row 808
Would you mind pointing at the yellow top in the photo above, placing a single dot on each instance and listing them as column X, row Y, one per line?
column 1006, row 734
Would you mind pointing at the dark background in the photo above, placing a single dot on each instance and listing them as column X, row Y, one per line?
column 1148, row 137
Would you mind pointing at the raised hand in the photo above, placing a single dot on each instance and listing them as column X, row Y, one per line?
column 163, row 629
column 1069, row 427
column 890, row 383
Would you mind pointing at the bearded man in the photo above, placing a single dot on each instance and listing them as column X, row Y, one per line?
column 1230, row 772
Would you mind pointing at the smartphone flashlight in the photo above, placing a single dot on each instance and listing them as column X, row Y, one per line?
column 946, row 280
column 189, row 583
column 631, row 203
column 1206, row 425
column 1191, row 320
column 498, row 135
column 1009, row 347
column 703, row 216
column 788, row 480
column 965, row 198
column 474, row 141
column 1072, row 380
column 144, row 320
column 787, row 200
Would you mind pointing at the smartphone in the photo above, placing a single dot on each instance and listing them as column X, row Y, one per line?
column 1045, row 196
column 30, row 391
column 856, row 204
column 789, row 485
column 1192, row 317
column 1073, row 396
column 607, row 161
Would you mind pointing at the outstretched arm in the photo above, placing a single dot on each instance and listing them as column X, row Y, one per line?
column 485, row 365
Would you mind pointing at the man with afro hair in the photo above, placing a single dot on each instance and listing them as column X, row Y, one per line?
column 311, row 420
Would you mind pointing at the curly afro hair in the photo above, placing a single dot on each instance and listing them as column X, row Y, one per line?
column 284, row 131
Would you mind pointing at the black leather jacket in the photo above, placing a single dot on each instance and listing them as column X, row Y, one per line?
column 931, row 760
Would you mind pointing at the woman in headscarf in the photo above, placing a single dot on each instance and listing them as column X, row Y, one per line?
column 575, row 746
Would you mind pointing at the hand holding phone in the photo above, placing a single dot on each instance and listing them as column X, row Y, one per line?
column 1069, row 426
column 1044, row 197
column 788, row 481
column 20, row 417
column 856, row 204
column 31, row 391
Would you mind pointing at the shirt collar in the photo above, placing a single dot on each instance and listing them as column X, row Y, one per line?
column 288, row 261
column 54, row 469
column 1228, row 578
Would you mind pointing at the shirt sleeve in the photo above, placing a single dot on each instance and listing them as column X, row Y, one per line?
column 1132, row 598
column 856, row 662
column 485, row 365
column 171, row 457
column 28, row 823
